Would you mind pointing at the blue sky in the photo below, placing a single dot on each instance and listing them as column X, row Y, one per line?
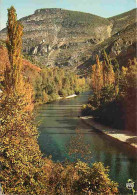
column 104, row 8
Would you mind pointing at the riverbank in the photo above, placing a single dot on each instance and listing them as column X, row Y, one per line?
column 67, row 97
column 58, row 98
column 122, row 136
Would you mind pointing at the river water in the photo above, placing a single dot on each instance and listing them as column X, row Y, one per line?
column 58, row 124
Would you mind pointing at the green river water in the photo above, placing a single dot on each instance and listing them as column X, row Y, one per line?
column 58, row 122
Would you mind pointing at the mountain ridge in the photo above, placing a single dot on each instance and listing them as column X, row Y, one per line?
column 58, row 37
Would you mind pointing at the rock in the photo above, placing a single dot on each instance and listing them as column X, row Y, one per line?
column 35, row 50
column 59, row 37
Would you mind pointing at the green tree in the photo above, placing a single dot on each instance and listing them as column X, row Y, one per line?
column 23, row 170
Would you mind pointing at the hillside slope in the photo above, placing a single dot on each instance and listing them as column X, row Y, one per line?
column 121, row 21
column 57, row 37
column 121, row 46
column 62, row 37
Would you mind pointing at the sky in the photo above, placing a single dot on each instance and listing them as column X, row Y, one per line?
column 104, row 8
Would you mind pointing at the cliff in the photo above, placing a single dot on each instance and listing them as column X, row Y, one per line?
column 57, row 37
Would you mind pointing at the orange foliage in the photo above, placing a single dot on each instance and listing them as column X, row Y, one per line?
column 20, row 157
column 102, row 75
column 97, row 76
column 23, row 170
column 27, row 65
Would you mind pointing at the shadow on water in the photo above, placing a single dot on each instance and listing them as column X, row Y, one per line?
column 48, row 147
column 59, row 120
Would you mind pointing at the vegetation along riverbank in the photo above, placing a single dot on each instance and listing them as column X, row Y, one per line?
column 23, row 168
column 113, row 102
column 55, row 54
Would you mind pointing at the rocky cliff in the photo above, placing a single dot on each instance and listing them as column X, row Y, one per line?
column 57, row 37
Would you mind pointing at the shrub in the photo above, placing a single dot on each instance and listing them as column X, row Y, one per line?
column 107, row 94
column 87, row 109
column 79, row 178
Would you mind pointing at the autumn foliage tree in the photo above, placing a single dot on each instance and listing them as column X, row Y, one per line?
column 127, row 93
column 97, row 79
column 22, row 168
column 114, row 93
column 20, row 157
column 102, row 80
column 54, row 82
column 102, row 73
column 108, row 72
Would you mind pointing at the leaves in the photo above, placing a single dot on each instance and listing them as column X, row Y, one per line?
column 23, row 170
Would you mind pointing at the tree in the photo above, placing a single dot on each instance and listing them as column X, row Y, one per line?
column 108, row 72
column 20, row 157
column 97, row 79
column 79, row 178
column 14, row 45
column 117, row 75
column 22, row 168
column 128, row 89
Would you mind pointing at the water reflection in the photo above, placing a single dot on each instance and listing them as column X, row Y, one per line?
column 59, row 120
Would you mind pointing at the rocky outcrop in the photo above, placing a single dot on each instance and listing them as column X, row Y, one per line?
column 57, row 37
column 52, row 36
column 121, row 46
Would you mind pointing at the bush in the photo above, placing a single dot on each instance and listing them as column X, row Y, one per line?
column 52, row 97
column 107, row 94
column 79, row 178
column 87, row 109
column 45, row 97
column 63, row 92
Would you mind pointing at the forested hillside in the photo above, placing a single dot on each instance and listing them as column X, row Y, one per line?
column 48, row 83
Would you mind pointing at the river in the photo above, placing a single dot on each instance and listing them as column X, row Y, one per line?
column 58, row 122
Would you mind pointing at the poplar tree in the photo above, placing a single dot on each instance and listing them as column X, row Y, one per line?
column 20, row 157
column 99, row 76
column 14, row 45
column 117, row 76
column 103, row 80
column 97, row 79
column 108, row 73
column 22, row 168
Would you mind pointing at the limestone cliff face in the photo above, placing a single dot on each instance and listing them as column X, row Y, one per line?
column 120, row 45
column 69, row 38
column 62, row 37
